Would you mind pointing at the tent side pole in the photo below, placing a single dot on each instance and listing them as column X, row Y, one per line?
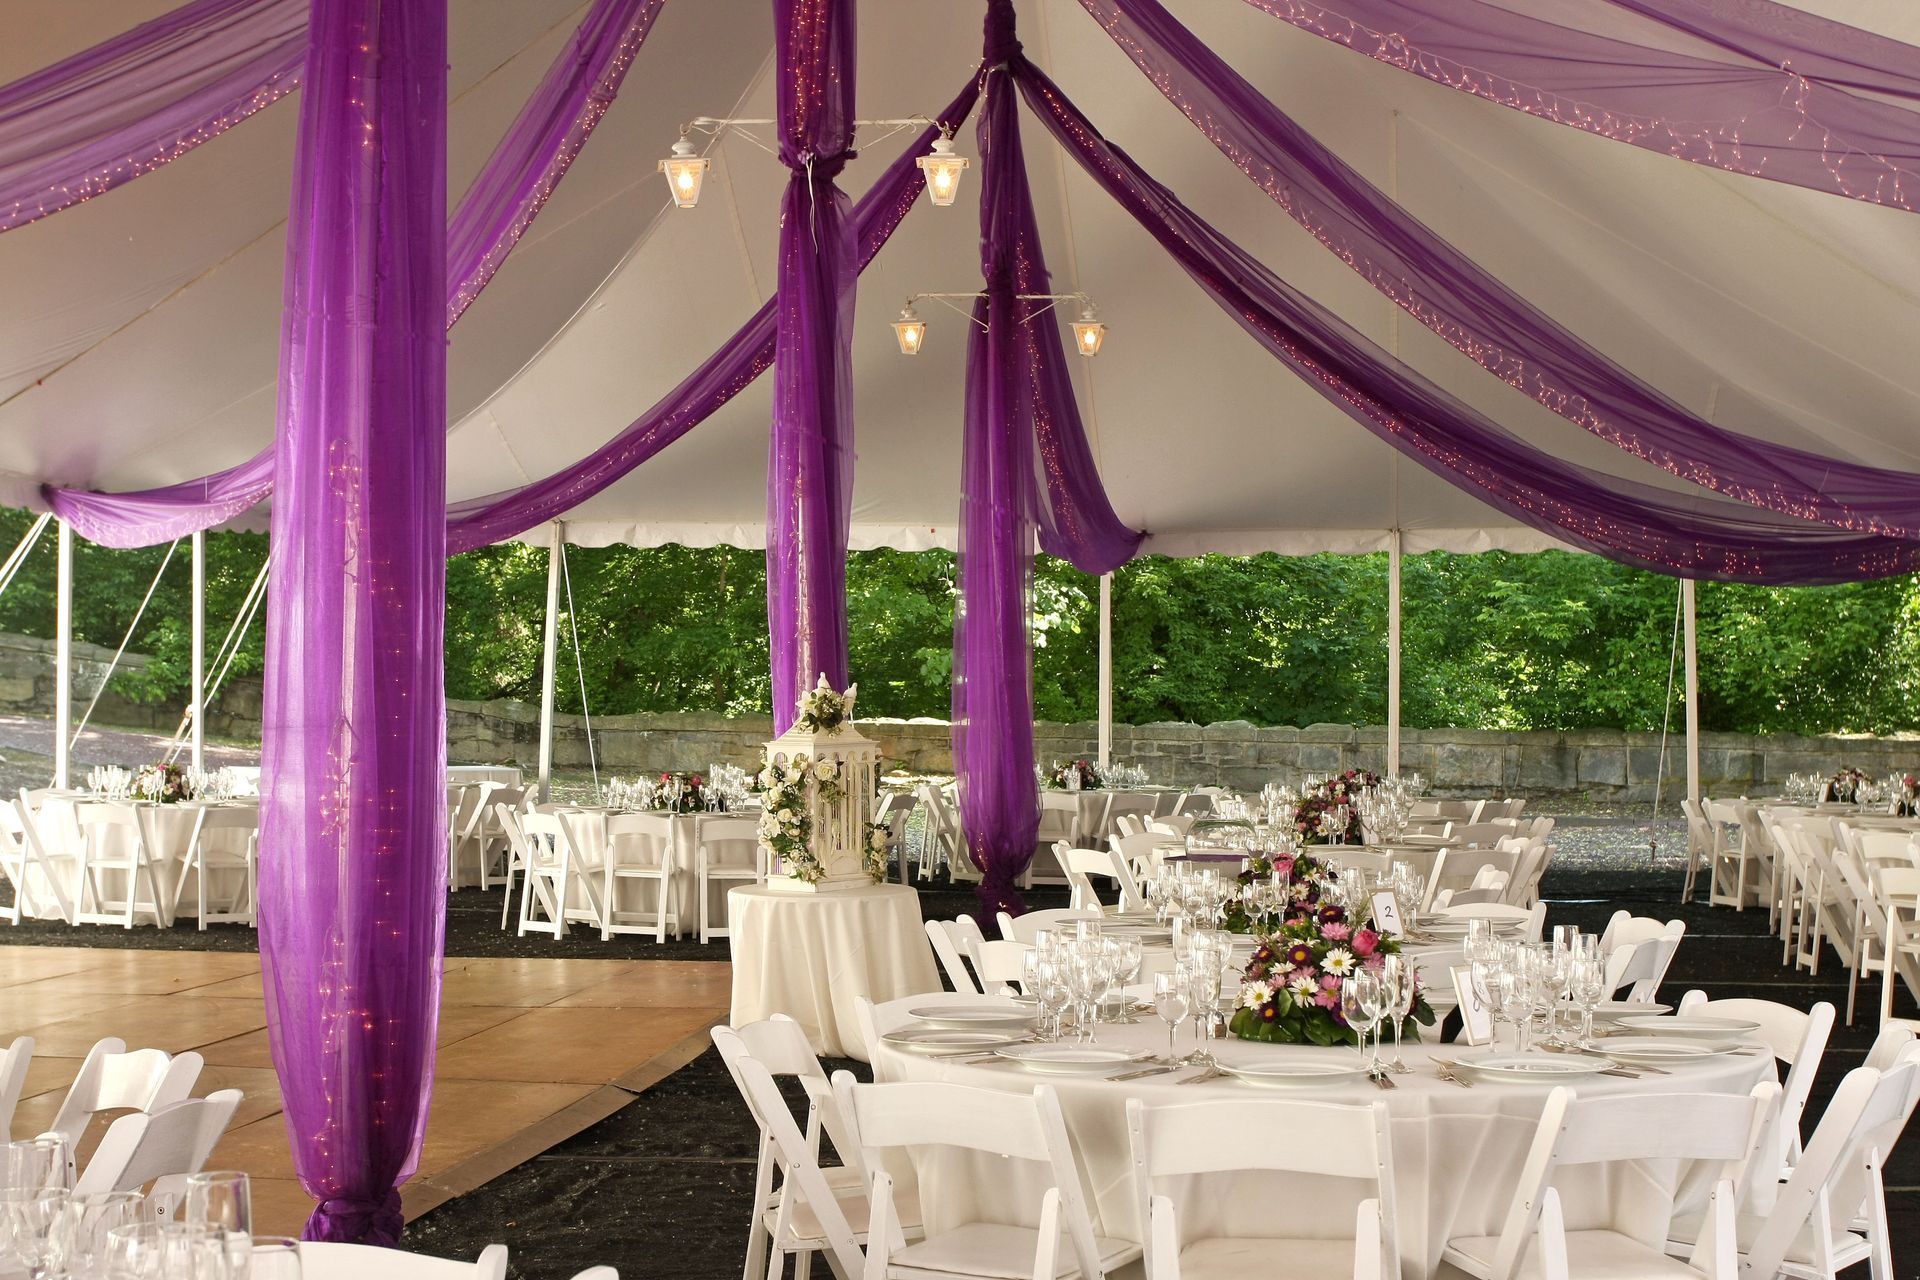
column 1693, row 690
column 1393, row 653
column 198, row 692
column 63, row 660
column 550, row 645
column 1106, row 670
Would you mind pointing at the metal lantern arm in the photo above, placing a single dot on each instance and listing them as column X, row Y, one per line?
column 953, row 301
column 743, row 126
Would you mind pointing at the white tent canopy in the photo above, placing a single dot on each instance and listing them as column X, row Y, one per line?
column 138, row 343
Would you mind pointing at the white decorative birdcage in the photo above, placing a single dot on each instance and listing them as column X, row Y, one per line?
column 819, row 782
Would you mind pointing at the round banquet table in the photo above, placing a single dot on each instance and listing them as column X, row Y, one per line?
column 1456, row 1151
column 809, row 955
column 167, row 830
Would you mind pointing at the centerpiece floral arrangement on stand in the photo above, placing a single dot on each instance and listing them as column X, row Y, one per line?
column 683, row 792
column 162, row 783
column 1074, row 775
column 817, row 785
column 1318, row 818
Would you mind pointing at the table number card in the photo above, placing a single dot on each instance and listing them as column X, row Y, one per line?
column 1476, row 1020
column 1386, row 914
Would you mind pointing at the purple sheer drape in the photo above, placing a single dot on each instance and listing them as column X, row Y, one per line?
column 1778, row 35
column 1752, row 116
column 810, row 452
column 1479, row 315
column 353, row 867
column 505, row 197
column 1696, row 537
column 128, row 105
column 479, row 522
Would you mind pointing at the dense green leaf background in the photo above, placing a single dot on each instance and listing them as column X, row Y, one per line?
column 1546, row 641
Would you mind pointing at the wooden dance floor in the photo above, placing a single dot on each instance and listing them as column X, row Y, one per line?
column 531, row 1051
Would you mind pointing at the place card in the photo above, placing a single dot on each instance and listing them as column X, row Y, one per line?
column 1476, row 1020
column 1386, row 915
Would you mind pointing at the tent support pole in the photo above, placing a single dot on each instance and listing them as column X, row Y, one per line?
column 63, row 659
column 1106, row 670
column 1393, row 653
column 198, row 709
column 1693, row 690
column 550, row 645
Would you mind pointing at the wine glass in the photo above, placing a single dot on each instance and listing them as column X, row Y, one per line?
column 1170, row 1000
column 1486, row 974
column 275, row 1258
column 1128, row 955
column 78, row 1245
column 1361, row 1006
column 1589, row 989
column 37, row 1164
column 1399, row 974
column 220, row 1198
column 27, row 1218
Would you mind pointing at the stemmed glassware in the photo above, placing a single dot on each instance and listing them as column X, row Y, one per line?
column 1172, row 992
column 1361, row 1005
column 1400, row 976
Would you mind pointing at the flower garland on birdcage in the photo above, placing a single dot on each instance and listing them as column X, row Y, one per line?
column 786, row 821
column 823, row 709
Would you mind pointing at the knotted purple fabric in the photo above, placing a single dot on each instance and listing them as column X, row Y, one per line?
column 353, row 863
column 810, row 454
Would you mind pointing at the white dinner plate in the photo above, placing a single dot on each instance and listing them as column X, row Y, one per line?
column 1295, row 1072
column 976, row 1017
column 1498, row 912
column 947, row 1040
column 1658, row 1051
column 1071, row 1059
column 1531, row 1068
column 1610, row 1010
column 1686, row 1026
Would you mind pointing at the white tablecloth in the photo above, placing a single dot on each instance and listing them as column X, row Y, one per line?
column 808, row 955
column 459, row 775
column 168, row 831
column 1456, row 1152
column 589, row 828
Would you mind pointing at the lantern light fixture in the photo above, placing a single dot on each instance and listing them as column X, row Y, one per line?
column 943, row 169
column 685, row 171
column 1088, row 332
column 910, row 330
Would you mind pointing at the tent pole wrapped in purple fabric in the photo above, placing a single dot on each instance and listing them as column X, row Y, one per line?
column 131, row 104
column 353, row 864
column 1479, row 315
column 505, row 197
column 810, row 450
column 1677, row 534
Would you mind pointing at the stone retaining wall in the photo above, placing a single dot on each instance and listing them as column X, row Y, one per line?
column 1607, row 764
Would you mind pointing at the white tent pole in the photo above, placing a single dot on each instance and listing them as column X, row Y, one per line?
column 1106, row 670
column 550, row 646
column 1393, row 653
column 198, row 693
column 63, row 658
column 1693, row 691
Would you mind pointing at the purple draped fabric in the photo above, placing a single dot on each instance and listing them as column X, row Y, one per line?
column 1696, row 537
column 1479, row 315
column 353, row 867
column 1778, row 35
column 128, row 105
column 1745, row 116
column 479, row 522
column 810, row 452
column 505, row 197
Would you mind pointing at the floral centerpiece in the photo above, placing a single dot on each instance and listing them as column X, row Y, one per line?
column 683, row 792
column 163, row 783
column 822, row 709
column 1844, row 786
column 1907, row 803
column 1304, row 874
column 1063, row 777
column 1290, row 993
column 1312, row 814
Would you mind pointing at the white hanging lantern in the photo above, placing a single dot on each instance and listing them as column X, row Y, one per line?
column 1088, row 332
column 685, row 171
column 943, row 169
column 910, row 330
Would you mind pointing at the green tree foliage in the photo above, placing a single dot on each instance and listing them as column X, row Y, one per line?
column 1554, row 640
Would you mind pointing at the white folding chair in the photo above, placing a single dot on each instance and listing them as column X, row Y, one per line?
column 1699, row 849
column 14, row 1064
column 519, row 855
column 943, row 839
column 325, row 1260
column 640, row 852
column 1796, row 1038
column 27, row 867
column 466, row 811
column 1001, row 965
column 161, row 1146
column 555, row 870
column 114, row 843
column 1059, row 824
column 1144, row 851
column 1624, row 927
column 492, row 834
column 729, row 852
column 1194, row 804
column 954, row 940
column 112, row 1079
column 1175, row 826
column 1720, row 1129
column 1127, row 812
column 1332, row 1142
column 225, row 841
column 1638, row 968
column 1026, row 1127
column 894, row 809
column 1026, row 928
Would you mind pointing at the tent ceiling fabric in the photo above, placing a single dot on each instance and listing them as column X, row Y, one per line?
column 138, row 346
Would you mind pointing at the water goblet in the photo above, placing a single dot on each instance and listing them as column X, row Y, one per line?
column 1399, row 975
column 1360, row 1005
column 1171, row 997
column 275, row 1258
column 78, row 1244
column 37, row 1164
column 220, row 1198
column 27, row 1218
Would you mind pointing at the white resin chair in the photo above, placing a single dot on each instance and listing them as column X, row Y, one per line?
column 729, row 852
column 225, row 840
column 329, row 1261
column 1194, row 804
column 944, row 840
column 1720, row 1129
column 1026, row 928
column 14, row 1063
column 1024, row 1127
column 1638, row 968
column 114, row 843
column 1796, row 1038
column 1131, row 807
column 161, row 1147
column 1187, row 1142
column 1174, row 825
column 519, row 856
column 28, row 867
column 1001, row 965
column 1699, row 848
column 894, row 809
column 555, row 873
column 467, row 805
column 953, row 941
column 1144, row 851
column 492, row 833
column 1080, row 865
column 639, row 851
column 113, row 1079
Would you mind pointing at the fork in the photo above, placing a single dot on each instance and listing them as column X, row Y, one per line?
column 1381, row 1078
column 1211, row 1073
column 1445, row 1068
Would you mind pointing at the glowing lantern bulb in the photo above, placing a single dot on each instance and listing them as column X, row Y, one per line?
column 1088, row 332
column 943, row 169
column 685, row 171
column 910, row 330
